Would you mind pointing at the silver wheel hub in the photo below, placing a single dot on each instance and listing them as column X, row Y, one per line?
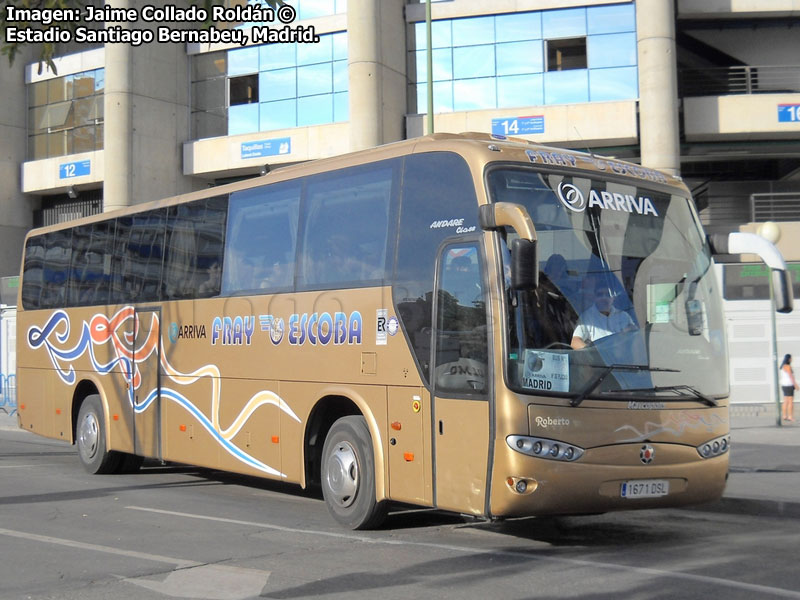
column 88, row 436
column 342, row 474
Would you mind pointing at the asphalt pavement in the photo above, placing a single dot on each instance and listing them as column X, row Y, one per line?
column 765, row 463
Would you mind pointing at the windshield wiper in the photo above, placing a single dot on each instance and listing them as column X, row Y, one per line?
column 673, row 388
column 606, row 371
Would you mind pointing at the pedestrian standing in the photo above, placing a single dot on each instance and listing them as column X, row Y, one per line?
column 788, row 385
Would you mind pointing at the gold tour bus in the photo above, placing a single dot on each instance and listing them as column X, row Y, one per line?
column 464, row 322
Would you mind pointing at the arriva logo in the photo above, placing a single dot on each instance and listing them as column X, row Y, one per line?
column 571, row 197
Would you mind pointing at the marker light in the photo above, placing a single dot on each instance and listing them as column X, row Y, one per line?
column 716, row 447
column 544, row 448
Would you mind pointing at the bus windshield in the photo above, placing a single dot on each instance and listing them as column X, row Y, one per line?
column 627, row 306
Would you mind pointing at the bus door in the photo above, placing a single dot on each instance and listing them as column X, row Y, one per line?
column 146, row 351
column 461, row 380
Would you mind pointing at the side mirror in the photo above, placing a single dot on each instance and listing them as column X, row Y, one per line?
column 524, row 265
column 750, row 243
column 782, row 288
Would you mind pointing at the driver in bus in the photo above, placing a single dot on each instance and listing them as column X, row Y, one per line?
column 601, row 319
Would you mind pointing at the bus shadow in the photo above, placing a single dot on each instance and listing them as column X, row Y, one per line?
column 612, row 530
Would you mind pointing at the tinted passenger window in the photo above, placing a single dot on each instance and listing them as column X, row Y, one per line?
column 346, row 224
column 438, row 202
column 193, row 262
column 261, row 239
column 140, row 243
column 56, row 269
column 33, row 272
column 90, row 273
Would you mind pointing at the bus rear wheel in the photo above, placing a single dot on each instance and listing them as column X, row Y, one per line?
column 348, row 475
column 91, row 439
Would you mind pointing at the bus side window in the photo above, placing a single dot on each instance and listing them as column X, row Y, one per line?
column 461, row 329
column 347, row 226
column 261, row 239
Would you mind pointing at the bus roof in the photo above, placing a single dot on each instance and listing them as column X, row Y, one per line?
column 480, row 147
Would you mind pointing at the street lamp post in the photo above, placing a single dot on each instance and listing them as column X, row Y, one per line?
column 772, row 233
column 429, row 57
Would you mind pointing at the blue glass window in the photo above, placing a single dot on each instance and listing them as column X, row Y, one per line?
column 612, row 50
column 315, row 110
column 613, row 84
column 278, row 84
column 322, row 51
column 473, row 61
column 340, row 76
column 243, row 61
column 518, row 26
column 442, row 97
column 441, row 34
column 339, row 41
column 569, row 22
column 314, row 79
column 278, row 115
column 309, row 9
column 566, row 87
column 474, row 94
column 277, row 56
column 520, row 57
column 499, row 61
column 520, row 90
column 611, row 19
column 474, row 30
column 242, row 119
column 341, row 107
column 296, row 82
column 442, row 64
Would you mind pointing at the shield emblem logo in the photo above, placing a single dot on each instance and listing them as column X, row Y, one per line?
column 647, row 453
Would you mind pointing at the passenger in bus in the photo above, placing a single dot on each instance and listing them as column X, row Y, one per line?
column 210, row 287
column 557, row 272
column 601, row 319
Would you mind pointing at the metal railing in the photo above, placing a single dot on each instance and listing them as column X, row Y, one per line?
column 8, row 394
column 722, row 81
column 775, row 206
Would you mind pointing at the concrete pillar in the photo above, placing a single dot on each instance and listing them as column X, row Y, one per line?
column 118, row 122
column 658, row 85
column 16, row 208
column 376, row 44
column 147, row 118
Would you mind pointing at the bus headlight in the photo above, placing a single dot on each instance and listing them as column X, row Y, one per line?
column 716, row 447
column 544, row 448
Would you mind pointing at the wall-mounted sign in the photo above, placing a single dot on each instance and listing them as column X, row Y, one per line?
column 518, row 125
column 266, row 148
column 789, row 113
column 74, row 169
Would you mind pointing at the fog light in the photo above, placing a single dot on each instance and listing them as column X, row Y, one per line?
column 521, row 486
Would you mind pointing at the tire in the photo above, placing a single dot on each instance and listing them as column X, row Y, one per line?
column 90, row 437
column 348, row 475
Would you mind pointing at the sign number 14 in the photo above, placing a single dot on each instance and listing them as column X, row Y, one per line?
column 788, row 113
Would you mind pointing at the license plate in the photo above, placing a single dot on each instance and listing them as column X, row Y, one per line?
column 645, row 488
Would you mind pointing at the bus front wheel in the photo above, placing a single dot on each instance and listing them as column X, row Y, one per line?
column 348, row 475
column 91, row 438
